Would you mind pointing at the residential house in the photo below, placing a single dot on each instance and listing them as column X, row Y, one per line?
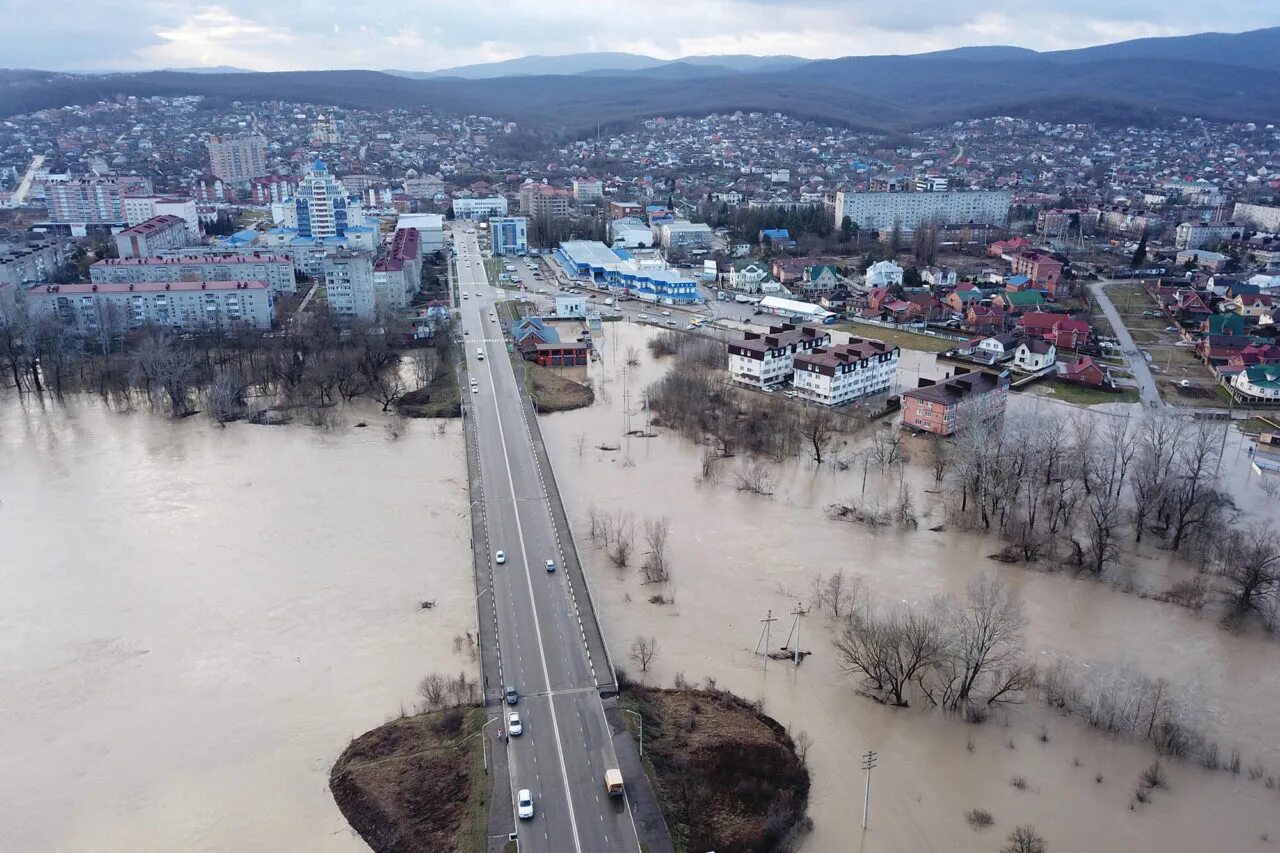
column 1044, row 270
column 939, row 278
column 959, row 300
column 1223, row 324
column 883, row 274
column 1020, row 282
column 1257, row 384
column 1219, row 349
column 533, row 328
column 1252, row 305
column 821, row 278
column 1191, row 305
column 766, row 359
column 1086, row 371
column 840, row 374
column 1020, row 300
column 1034, row 354
column 997, row 347
column 789, row 270
column 942, row 408
column 1000, row 248
column 778, row 238
column 877, row 297
column 1059, row 329
column 985, row 319
column 925, row 307
column 748, row 276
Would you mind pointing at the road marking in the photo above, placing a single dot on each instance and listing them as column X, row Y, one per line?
column 537, row 627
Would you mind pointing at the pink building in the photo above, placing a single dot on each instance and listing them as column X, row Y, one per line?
column 942, row 408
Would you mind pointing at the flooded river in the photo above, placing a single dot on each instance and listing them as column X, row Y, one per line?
column 737, row 556
column 195, row 621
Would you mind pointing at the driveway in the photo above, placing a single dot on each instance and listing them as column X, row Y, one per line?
column 1147, row 391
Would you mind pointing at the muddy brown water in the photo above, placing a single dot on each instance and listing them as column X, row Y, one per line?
column 737, row 556
column 195, row 621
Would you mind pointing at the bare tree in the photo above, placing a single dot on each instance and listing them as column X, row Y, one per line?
column 1247, row 563
column 939, row 458
column 1194, row 501
column 1024, row 839
column 643, row 651
column 656, row 568
column 619, row 533
column 818, row 426
column 580, row 443
column 1160, row 438
column 984, row 648
column 756, row 479
column 226, row 397
column 434, row 689
column 633, row 357
column 891, row 649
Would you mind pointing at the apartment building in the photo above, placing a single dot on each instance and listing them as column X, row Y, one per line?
column 348, row 285
column 1044, row 271
column 840, row 374
column 1205, row 235
column 430, row 228
column 942, row 408
column 87, row 201
column 399, row 275
column 767, row 359
column 543, row 200
column 237, row 159
column 147, row 239
column 188, row 306
column 276, row 270
column 1260, row 216
column 587, row 189
column 30, row 263
column 881, row 210
column 684, row 235
column 138, row 209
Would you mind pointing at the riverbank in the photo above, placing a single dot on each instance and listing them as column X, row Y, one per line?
column 728, row 777
column 417, row 783
column 553, row 392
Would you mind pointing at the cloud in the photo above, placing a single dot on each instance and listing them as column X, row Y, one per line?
column 410, row 34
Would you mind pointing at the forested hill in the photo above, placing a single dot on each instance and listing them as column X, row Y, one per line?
column 1228, row 77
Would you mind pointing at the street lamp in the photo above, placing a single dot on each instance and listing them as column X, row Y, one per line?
column 483, row 753
column 636, row 714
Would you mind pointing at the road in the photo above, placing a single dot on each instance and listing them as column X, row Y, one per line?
column 566, row 746
column 24, row 187
column 1147, row 390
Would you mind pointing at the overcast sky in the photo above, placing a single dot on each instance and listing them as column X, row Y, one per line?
column 427, row 34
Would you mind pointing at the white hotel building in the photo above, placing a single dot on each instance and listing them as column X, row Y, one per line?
column 765, row 360
column 843, row 373
column 880, row 210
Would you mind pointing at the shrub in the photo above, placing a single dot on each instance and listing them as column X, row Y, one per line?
column 979, row 818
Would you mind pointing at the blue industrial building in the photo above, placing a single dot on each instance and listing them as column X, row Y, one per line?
column 594, row 260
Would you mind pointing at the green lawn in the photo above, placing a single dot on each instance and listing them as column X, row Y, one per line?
column 897, row 337
column 477, row 820
column 1088, row 396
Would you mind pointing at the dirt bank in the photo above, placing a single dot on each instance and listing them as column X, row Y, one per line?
column 440, row 399
column 553, row 392
column 728, row 777
column 416, row 784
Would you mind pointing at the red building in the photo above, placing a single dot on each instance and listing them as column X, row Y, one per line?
column 1045, row 272
column 554, row 354
column 942, row 408
column 1059, row 329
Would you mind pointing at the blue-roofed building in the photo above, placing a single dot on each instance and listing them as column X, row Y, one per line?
column 527, row 327
column 241, row 239
column 780, row 238
column 624, row 275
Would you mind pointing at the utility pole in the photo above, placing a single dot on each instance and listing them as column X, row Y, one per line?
column 868, row 763
column 768, row 621
column 794, row 633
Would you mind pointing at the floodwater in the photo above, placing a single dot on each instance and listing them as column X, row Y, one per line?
column 195, row 621
column 736, row 557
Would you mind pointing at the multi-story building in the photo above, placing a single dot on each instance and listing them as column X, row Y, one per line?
column 767, row 359
column 424, row 186
column 273, row 188
column 509, row 235
column 21, row 265
column 649, row 280
column 321, row 204
column 479, row 208
column 1127, row 221
column 348, row 285
column 276, row 270
column 1260, row 216
column 182, row 305
column 1205, row 235
column 237, row 159
column 398, row 276
column 687, row 236
column 942, row 408
column 87, row 201
column 883, row 274
column 881, row 211
column 1060, row 221
column 931, row 184
column 138, row 209
column 149, row 238
column 543, row 200
column 1044, row 271
column 587, row 189
column 430, row 228
column 840, row 374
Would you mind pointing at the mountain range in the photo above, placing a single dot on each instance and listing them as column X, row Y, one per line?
column 1217, row 76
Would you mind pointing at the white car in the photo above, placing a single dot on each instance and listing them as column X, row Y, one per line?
column 524, row 806
column 500, row 557
column 515, row 727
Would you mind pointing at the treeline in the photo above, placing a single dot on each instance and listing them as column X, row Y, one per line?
column 1069, row 490
column 230, row 375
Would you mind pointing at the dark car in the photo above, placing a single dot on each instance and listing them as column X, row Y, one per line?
column 512, row 695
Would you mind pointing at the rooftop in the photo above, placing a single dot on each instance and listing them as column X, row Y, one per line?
column 149, row 287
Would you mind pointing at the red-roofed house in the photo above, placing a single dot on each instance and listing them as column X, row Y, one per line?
column 1058, row 329
column 985, row 318
column 1087, row 371
column 1006, row 247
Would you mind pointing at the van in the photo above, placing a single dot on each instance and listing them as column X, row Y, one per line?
column 479, row 354
column 613, row 782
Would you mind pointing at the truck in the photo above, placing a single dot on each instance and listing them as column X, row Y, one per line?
column 722, row 296
column 613, row 782
column 743, row 299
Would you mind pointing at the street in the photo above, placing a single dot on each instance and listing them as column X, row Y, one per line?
column 566, row 746
column 1147, row 390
